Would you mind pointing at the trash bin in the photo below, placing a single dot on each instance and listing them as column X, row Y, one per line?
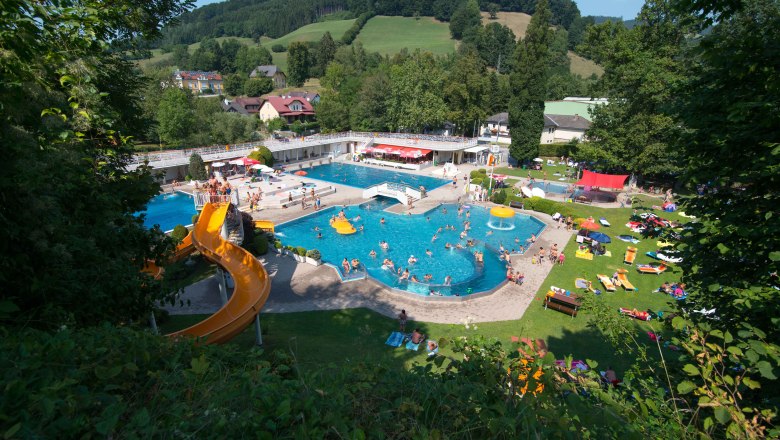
column 523, row 166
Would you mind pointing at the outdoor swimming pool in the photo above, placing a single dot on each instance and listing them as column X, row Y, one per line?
column 555, row 188
column 364, row 177
column 169, row 210
column 411, row 235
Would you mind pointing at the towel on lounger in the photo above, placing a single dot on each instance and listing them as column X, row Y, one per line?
column 395, row 339
column 412, row 346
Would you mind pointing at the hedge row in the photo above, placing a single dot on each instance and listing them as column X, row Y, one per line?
column 545, row 206
column 352, row 33
column 557, row 150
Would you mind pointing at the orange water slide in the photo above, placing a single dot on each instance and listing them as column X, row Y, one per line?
column 252, row 283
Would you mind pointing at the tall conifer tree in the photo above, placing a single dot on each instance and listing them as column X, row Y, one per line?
column 528, row 79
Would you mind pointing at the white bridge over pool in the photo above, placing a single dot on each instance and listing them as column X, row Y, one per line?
column 400, row 192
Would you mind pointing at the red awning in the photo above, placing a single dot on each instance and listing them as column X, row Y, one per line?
column 403, row 151
column 589, row 178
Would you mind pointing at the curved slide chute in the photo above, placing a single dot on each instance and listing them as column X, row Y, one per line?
column 252, row 284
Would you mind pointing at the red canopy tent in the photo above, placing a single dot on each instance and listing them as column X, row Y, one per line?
column 615, row 181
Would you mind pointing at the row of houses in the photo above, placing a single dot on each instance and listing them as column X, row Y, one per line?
column 201, row 82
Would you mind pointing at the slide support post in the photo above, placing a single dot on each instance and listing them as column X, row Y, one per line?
column 258, row 331
column 153, row 323
column 222, row 286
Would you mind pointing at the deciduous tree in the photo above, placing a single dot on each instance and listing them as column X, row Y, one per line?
column 175, row 118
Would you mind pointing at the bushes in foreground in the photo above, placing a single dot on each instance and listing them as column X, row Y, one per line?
column 117, row 382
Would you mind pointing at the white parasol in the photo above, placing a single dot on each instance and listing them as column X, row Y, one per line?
column 538, row 159
column 526, row 191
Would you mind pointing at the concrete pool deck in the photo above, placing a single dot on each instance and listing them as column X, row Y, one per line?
column 302, row 287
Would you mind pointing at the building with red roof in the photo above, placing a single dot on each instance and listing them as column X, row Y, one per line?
column 198, row 81
column 290, row 109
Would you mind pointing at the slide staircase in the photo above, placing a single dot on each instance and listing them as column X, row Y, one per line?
column 252, row 283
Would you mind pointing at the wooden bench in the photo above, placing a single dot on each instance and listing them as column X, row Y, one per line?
column 516, row 204
column 565, row 304
column 583, row 199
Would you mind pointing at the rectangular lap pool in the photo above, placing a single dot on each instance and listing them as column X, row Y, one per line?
column 364, row 177
column 169, row 210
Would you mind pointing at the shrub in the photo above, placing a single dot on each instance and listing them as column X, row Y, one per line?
column 262, row 154
column 301, row 251
column 195, row 218
column 314, row 254
column 260, row 244
column 480, row 173
column 499, row 196
column 278, row 244
column 539, row 204
column 476, row 180
column 179, row 232
column 278, row 48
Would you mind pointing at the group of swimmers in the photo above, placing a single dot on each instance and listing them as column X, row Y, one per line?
column 350, row 265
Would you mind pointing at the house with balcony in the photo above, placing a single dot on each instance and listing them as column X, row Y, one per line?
column 199, row 82
column 289, row 109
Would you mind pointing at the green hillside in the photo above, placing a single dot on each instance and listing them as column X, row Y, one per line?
column 312, row 32
column 388, row 35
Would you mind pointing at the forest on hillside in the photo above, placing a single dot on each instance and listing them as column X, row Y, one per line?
column 274, row 18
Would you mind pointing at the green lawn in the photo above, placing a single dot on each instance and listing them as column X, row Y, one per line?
column 312, row 32
column 388, row 35
column 354, row 335
column 551, row 170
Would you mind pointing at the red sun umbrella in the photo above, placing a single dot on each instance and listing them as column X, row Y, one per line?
column 247, row 161
column 589, row 224
column 300, row 173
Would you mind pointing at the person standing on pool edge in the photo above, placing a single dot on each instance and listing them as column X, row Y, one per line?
column 402, row 320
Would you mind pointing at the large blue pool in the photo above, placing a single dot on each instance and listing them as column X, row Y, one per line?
column 169, row 210
column 411, row 235
column 364, row 177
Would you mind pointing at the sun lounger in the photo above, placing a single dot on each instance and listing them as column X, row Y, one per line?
column 647, row 268
column 630, row 255
column 607, row 282
column 604, row 222
column 623, row 280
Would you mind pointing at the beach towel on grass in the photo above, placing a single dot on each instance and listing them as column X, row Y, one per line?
column 604, row 221
column 412, row 346
column 395, row 339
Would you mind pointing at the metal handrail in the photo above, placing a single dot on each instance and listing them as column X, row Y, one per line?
column 277, row 145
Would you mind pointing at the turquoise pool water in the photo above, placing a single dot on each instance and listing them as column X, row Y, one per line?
column 364, row 177
column 169, row 210
column 556, row 188
column 412, row 235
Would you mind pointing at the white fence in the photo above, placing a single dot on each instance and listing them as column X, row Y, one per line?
column 165, row 159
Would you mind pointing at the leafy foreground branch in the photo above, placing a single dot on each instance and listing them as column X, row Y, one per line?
column 120, row 382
